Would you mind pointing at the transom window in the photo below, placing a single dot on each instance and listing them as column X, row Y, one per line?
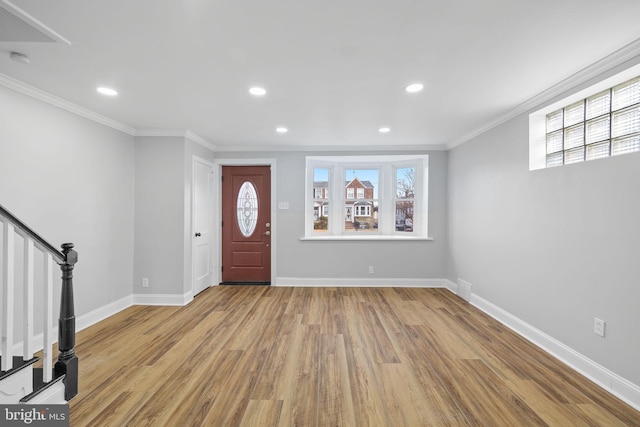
column 602, row 125
column 370, row 196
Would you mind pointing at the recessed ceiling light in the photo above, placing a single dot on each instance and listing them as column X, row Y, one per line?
column 384, row 129
column 257, row 91
column 107, row 91
column 414, row 87
column 282, row 129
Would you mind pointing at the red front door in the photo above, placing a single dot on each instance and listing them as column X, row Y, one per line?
column 246, row 224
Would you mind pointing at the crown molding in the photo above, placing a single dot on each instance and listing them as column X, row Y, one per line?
column 192, row 136
column 339, row 148
column 33, row 22
column 596, row 69
column 18, row 86
column 188, row 135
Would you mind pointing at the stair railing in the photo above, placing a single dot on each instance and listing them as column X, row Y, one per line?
column 67, row 362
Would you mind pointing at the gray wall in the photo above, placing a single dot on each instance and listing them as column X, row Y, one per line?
column 71, row 180
column 163, row 168
column 554, row 247
column 350, row 259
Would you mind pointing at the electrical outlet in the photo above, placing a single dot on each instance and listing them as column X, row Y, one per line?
column 599, row 326
column 371, row 269
column 145, row 282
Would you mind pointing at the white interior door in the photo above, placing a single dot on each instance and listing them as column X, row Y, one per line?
column 202, row 208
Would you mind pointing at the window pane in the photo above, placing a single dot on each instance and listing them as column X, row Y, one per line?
column 597, row 129
column 406, row 183
column 320, row 183
column 599, row 104
column 626, row 121
column 574, row 136
column 404, row 216
column 574, row 113
column 555, row 159
column 598, row 151
column 626, row 94
column 364, row 179
column 573, row 156
column 554, row 142
column 554, row 121
column 625, row 145
column 361, row 216
column 320, row 216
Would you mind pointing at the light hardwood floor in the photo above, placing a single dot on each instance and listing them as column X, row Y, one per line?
column 275, row 356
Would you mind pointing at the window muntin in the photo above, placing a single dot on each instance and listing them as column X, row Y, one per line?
column 389, row 196
column 602, row 125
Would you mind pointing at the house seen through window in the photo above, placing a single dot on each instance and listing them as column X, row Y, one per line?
column 371, row 196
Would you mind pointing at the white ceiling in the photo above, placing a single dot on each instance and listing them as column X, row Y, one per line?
column 335, row 70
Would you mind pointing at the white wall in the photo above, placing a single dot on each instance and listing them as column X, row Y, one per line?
column 71, row 180
column 350, row 259
column 554, row 247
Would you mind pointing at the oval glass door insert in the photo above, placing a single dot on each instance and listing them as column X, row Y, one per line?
column 247, row 212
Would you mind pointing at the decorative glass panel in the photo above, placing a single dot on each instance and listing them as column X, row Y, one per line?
column 574, row 155
column 598, row 129
column 626, row 121
column 574, row 113
column 574, row 136
column 598, row 151
column 554, row 121
column 626, row 94
column 554, row 142
column 555, row 159
column 599, row 104
column 625, row 145
column 247, row 209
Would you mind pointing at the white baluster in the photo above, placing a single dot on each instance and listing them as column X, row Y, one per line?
column 47, row 363
column 27, row 311
column 8, row 283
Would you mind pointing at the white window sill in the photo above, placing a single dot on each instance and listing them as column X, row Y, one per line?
column 377, row 237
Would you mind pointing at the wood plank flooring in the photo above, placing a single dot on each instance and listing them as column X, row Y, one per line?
column 276, row 356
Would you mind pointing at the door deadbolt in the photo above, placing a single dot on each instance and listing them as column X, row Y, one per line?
column 198, row 234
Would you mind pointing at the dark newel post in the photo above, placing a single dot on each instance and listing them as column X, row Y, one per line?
column 67, row 361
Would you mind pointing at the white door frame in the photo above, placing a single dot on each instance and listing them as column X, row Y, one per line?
column 210, row 165
column 217, row 235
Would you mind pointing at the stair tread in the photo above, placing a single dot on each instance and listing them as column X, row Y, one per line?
column 39, row 385
column 18, row 364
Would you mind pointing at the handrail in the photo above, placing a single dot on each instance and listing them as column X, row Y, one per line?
column 67, row 363
column 32, row 234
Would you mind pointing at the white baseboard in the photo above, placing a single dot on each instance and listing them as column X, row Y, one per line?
column 99, row 314
column 610, row 381
column 360, row 282
column 163, row 299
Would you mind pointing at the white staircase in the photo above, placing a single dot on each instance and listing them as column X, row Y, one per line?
column 25, row 286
